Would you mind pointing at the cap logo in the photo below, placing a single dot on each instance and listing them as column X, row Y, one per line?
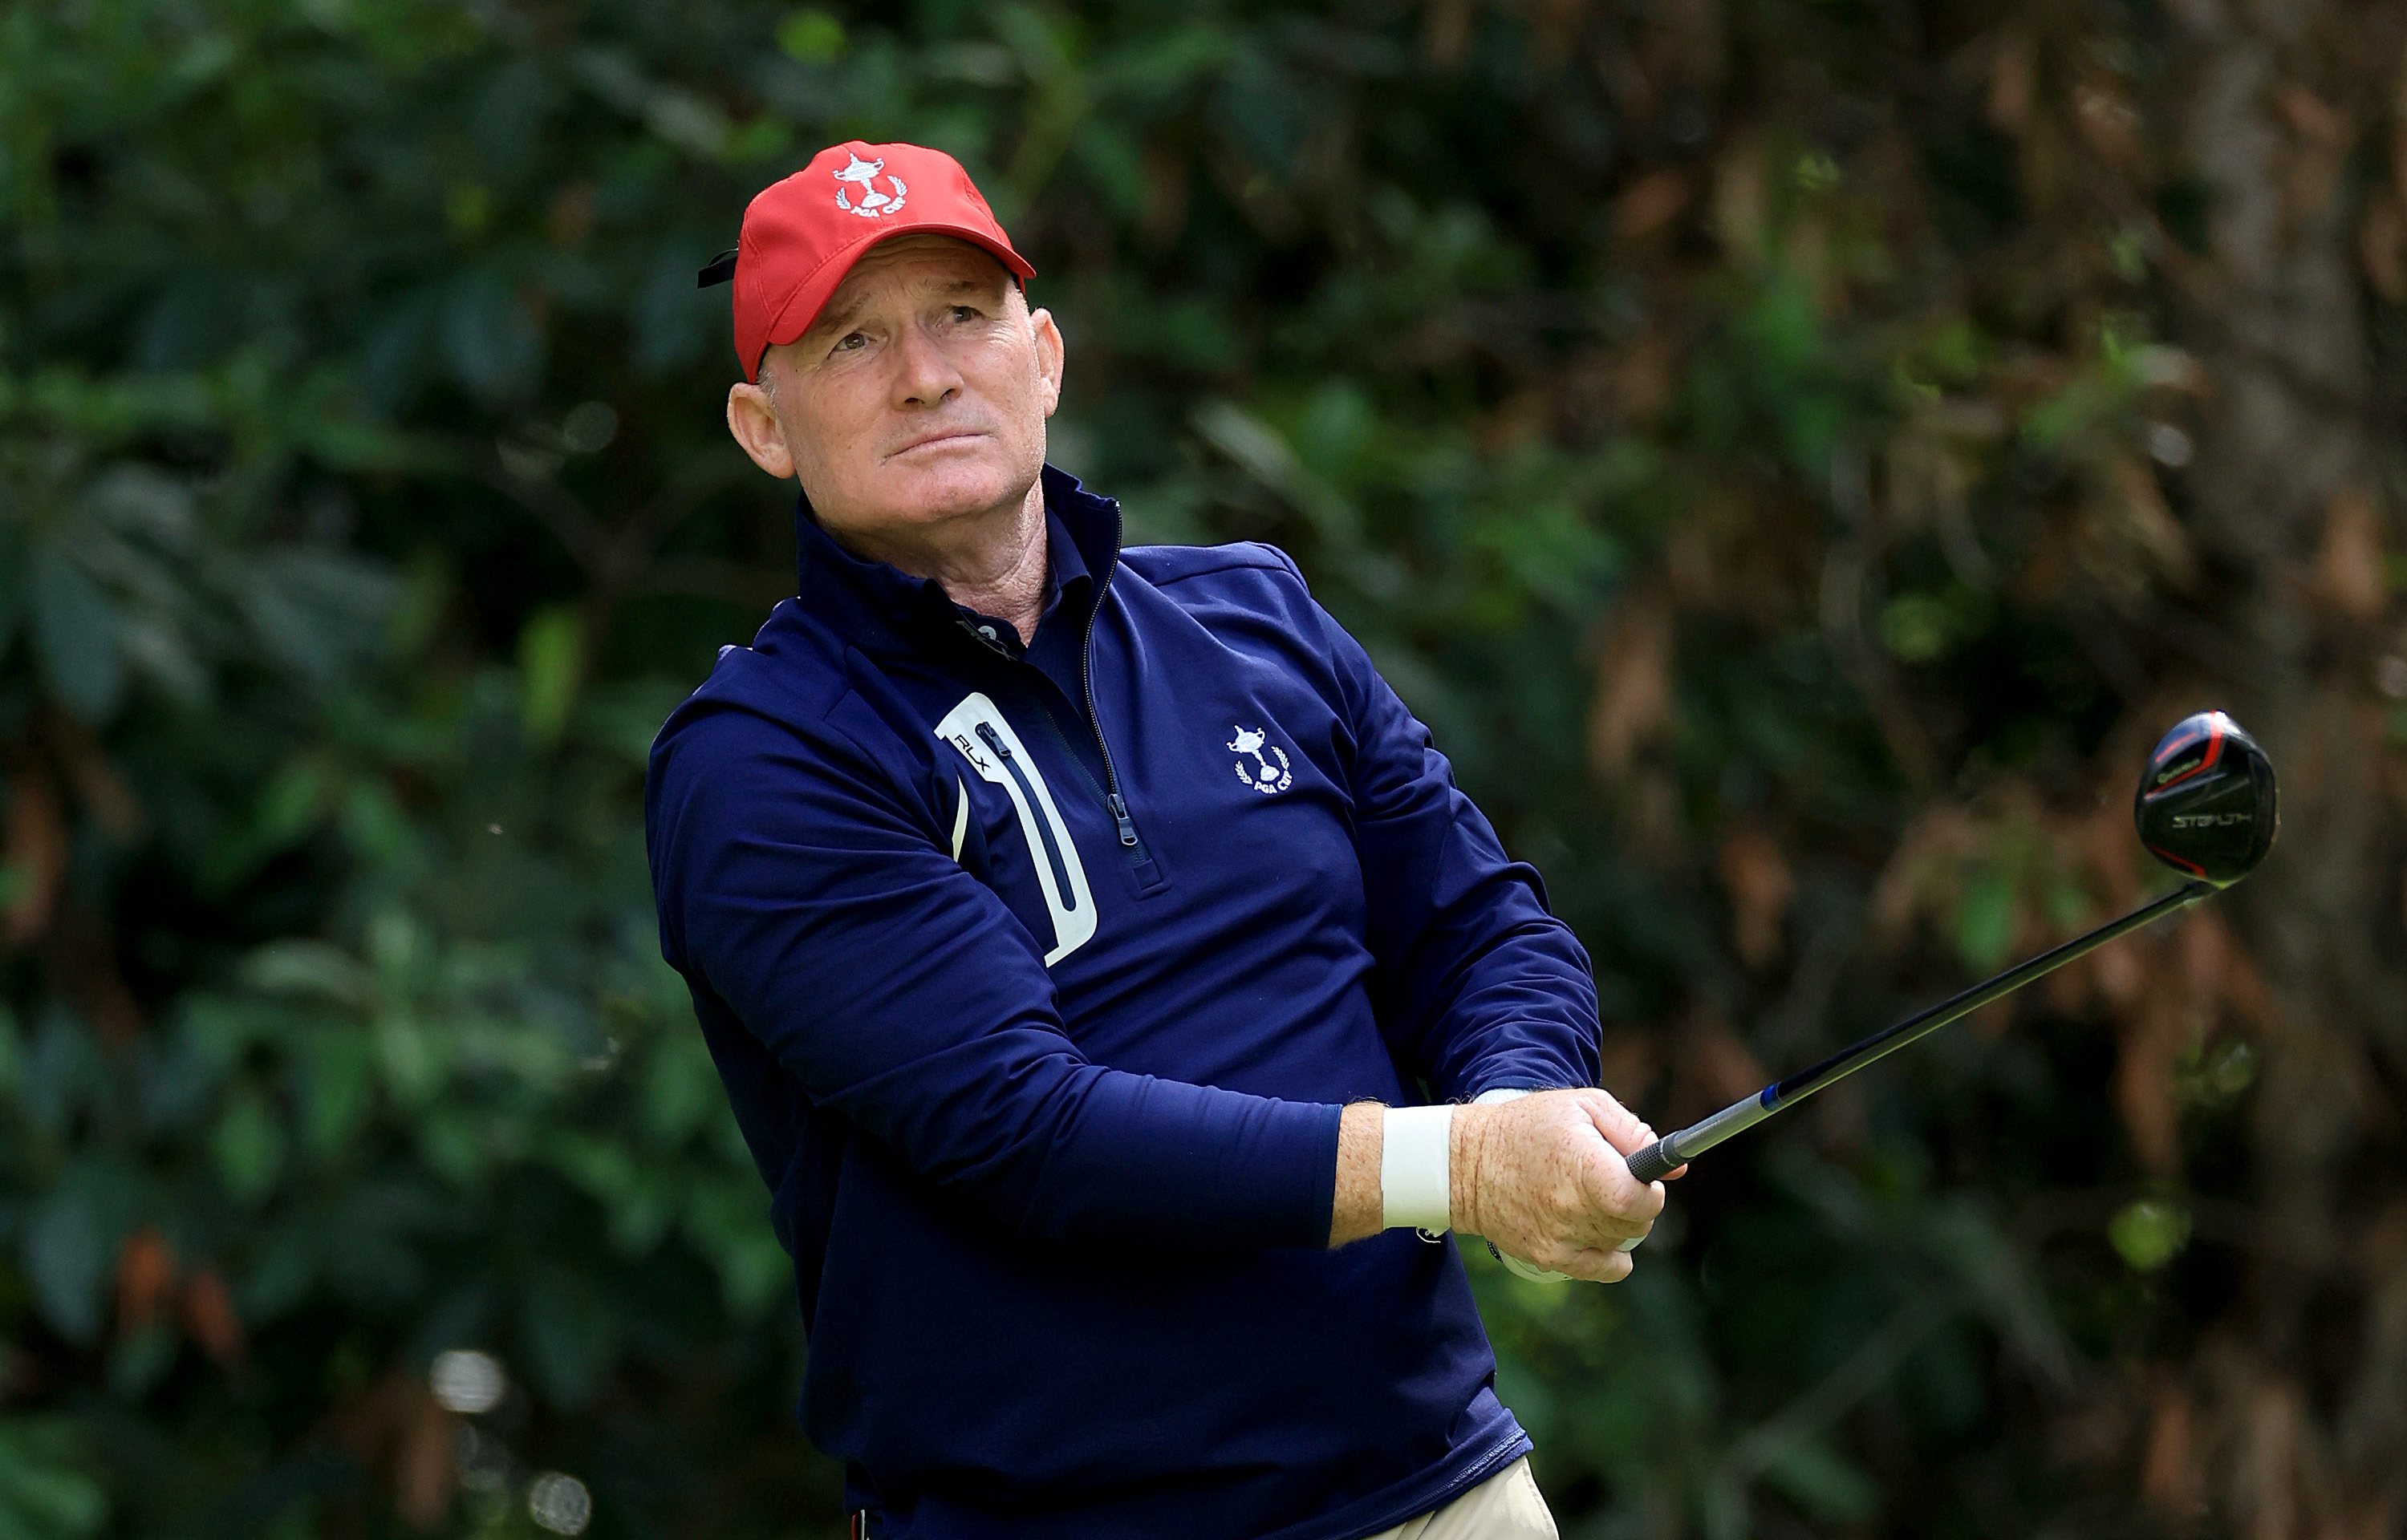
column 873, row 204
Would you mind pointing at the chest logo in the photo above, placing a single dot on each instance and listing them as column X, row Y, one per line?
column 1264, row 776
column 873, row 203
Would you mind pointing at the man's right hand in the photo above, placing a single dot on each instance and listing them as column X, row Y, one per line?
column 1544, row 1178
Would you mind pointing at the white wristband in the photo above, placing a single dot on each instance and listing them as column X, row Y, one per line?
column 1416, row 1166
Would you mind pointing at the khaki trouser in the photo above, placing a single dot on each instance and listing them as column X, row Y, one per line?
column 1505, row 1506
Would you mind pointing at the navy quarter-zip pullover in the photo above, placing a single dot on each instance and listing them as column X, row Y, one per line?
column 1037, row 981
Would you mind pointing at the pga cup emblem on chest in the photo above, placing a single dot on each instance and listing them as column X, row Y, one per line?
column 872, row 205
column 1264, row 776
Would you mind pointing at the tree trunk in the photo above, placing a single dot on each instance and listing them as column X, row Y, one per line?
column 2304, row 1382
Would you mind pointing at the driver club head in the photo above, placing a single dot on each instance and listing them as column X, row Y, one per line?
column 2207, row 806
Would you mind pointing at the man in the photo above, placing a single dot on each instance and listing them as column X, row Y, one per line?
column 1107, row 974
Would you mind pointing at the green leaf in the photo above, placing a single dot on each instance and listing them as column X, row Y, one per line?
column 1985, row 922
column 249, row 1145
column 1812, row 1476
column 552, row 664
column 311, row 969
column 77, row 636
column 68, row 1258
column 340, row 1090
column 681, row 1088
column 46, row 1490
column 491, row 339
column 811, row 37
column 139, row 1360
column 2149, row 1232
column 571, row 1334
column 12, row 1054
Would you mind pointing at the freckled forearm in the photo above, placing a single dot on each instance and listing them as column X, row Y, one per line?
column 1354, row 1212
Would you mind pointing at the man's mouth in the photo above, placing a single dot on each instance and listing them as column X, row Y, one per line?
column 938, row 440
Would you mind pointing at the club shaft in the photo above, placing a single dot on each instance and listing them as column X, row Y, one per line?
column 1671, row 1151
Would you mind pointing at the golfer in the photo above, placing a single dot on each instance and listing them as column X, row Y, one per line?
column 1119, row 998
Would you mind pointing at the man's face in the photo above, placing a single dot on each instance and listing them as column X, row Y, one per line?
column 916, row 400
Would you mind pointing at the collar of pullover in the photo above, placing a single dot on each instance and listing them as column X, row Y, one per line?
column 1084, row 532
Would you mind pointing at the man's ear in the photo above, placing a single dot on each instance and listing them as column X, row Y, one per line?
column 754, row 424
column 1050, row 356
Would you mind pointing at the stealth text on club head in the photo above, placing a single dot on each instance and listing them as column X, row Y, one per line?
column 2207, row 805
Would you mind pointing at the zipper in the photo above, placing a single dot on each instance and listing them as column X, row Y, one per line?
column 1112, row 798
column 1116, row 804
column 1044, row 825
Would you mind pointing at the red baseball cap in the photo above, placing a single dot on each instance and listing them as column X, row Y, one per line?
column 802, row 234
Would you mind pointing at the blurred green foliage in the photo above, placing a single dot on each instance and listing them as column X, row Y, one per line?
column 1666, row 394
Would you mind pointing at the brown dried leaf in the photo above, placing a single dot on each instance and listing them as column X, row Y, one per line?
column 1839, row 1118
column 1716, row 1062
column 423, row 1474
column 2315, row 117
column 36, row 849
column 1167, row 189
column 2009, row 105
column 2382, row 247
column 146, row 1276
column 570, row 217
column 209, row 1318
column 2109, row 124
column 1633, row 697
column 2145, row 520
column 1521, row 418
column 2263, row 1479
column 2171, row 1475
column 1445, row 32
column 2381, row 1249
column 2143, row 1081
column 1688, row 37
column 1627, row 1062
column 1756, row 875
column 1649, row 203
column 1643, row 374
column 1995, row 1019
column 1922, row 867
column 1553, row 23
column 1741, row 207
column 2092, row 1431
column 2106, row 853
column 2349, row 563
column 2120, row 972
column 95, row 778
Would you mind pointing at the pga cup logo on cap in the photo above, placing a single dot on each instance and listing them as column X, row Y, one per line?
column 874, row 204
column 803, row 233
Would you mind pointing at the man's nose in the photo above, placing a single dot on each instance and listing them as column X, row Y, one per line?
column 924, row 373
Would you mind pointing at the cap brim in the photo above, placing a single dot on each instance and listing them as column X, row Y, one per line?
column 803, row 307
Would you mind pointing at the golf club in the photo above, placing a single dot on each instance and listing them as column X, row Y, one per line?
column 2206, row 808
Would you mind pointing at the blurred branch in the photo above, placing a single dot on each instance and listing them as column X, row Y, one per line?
column 715, row 577
column 620, row 558
column 1858, row 1376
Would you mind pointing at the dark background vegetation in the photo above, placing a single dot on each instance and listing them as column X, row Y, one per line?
column 1797, row 454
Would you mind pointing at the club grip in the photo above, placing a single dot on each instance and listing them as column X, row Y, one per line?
column 1654, row 1163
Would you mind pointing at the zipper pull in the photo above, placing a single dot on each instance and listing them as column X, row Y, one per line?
column 1120, row 816
column 994, row 740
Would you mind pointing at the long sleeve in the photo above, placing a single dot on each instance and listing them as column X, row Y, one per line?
column 901, row 994
column 1478, row 985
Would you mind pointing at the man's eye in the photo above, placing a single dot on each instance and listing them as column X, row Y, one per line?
column 965, row 313
column 852, row 342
